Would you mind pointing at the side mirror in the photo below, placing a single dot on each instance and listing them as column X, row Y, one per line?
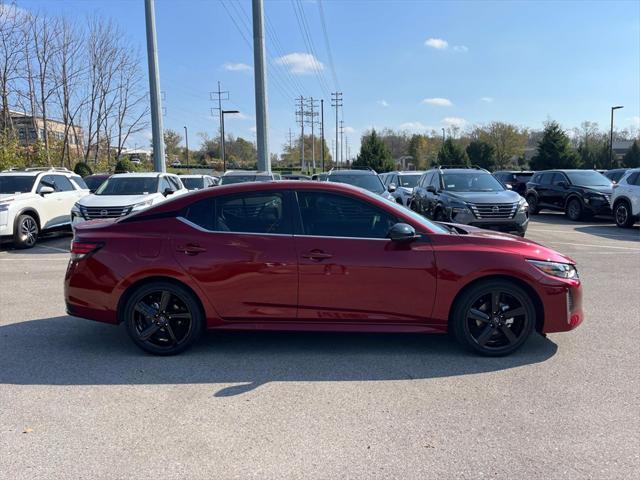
column 402, row 232
column 392, row 187
column 509, row 187
column 431, row 189
column 167, row 191
column 45, row 190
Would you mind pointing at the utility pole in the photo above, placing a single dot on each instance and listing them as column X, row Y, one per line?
column 348, row 151
column 341, row 142
column 220, row 96
column 260, row 77
column 611, row 136
column 300, row 118
column 322, row 131
column 159, row 164
column 186, row 142
column 442, row 137
column 312, row 114
column 336, row 101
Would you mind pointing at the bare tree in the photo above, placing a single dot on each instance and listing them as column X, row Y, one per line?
column 11, row 58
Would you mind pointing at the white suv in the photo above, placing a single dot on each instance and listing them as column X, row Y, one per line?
column 124, row 193
column 37, row 200
column 626, row 199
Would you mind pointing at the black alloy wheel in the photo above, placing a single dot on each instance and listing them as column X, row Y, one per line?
column 532, row 200
column 26, row 232
column 493, row 318
column 163, row 318
column 574, row 210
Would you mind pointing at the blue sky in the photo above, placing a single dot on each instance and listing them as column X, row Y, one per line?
column 402, row 64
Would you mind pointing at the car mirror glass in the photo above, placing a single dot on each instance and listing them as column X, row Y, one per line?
column 392, row 187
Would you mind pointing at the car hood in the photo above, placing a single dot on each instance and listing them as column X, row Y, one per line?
column 505, row 196
column 115, row 200
column 511, row 244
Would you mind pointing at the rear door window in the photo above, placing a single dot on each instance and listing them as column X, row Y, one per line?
column 545, row 178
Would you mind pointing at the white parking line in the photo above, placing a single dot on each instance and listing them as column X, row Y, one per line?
column 587, row 233
column 52, row 248
column 591, row 245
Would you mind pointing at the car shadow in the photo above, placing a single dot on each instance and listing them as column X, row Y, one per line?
column 612, row 232
column 47, row 243
column 70, row 351
column 557, row 218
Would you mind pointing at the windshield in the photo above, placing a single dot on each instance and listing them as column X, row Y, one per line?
column 93, row 182
column 588, row 178
column 128, row 186
column 471, row 182
column 408, row 181
column 193, row 183
column 368, row 182
column 16, row 184
column 229, row 179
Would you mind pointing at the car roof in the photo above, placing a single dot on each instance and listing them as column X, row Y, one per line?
column 33, row 173
column 139, row 174
column 352, row 172
column 193, row 176
column 457, row 170
column 515, row 171
column 230, row 173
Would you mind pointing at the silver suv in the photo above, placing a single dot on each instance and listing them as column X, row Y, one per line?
column 626, row 199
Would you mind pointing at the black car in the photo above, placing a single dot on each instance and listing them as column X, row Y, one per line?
column 471, row 196
column 516, row 179
column 615, row 174
column 367, row 179
column 578, row 193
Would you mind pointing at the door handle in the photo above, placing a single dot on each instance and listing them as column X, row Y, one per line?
column 317, row 255
column 191, row 249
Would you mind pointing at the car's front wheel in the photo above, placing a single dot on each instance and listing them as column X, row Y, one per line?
column 622, row 214
column 26, row 232
column 163, row 318
column 574, row 210
column 532, row 200
column 493, row 318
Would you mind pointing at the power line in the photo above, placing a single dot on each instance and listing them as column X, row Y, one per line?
column 328, row 46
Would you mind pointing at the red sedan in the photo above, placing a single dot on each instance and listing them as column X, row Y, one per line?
column 313, row 256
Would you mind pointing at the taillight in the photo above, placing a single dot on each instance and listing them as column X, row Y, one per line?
column 79, row 250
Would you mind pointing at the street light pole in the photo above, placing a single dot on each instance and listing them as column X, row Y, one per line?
column 224, row 159
column 611, row 136
column 186, row 141
column 154, row 88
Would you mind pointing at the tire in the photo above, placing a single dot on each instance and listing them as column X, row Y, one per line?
column 574, row 210
column 532, row 200
column 163, row 329
column 622, row 215
column 25, row 233
column 481, row 323
column 439, row 216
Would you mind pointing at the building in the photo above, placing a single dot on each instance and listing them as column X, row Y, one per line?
column 620, row 148
column 30, row 129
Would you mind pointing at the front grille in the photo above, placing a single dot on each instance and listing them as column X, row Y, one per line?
column 493, row 210
column 91, row 213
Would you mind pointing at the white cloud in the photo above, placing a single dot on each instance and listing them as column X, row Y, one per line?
column 414, row 127
column 12, row 11
column 635, row 121
column 253, row 129
column 237, row 67
column 460, row 48
column 300, row 63
column 438, row 102
column 237, row 116
column 349, row 130
column 437, row 43
column 486, row 99
column 383, row 103
column 454, row 122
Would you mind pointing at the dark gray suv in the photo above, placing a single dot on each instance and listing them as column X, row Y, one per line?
column 471, row 196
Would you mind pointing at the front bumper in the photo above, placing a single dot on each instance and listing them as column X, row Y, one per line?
column 518, row 224
column 598, row 206
column 562, row 305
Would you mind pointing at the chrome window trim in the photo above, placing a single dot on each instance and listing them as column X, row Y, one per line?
column 343, row 238
column 202, row 229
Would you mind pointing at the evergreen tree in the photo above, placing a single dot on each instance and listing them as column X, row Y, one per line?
column 452, row 154
column 82, row 169
column 631, row 159
column 481, row 153
column 374, row 154
column 124, row 166
column 554, row 150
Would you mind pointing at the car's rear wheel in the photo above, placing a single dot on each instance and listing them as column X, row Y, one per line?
column 26, row 232
column 532, row 200
column 622, row 214
column 163, row 318
column 574, row 210
column 493, row 318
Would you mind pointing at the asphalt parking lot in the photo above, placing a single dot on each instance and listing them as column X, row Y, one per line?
column 79, row 400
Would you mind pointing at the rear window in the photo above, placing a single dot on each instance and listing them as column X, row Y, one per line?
column 193, row 183
column 128, row 186
column 17, row 183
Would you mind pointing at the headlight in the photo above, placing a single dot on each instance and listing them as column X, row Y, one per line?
column 459, row 207
column 555, row 269
column 523, row 206
column 141, row 205
column 76, row 211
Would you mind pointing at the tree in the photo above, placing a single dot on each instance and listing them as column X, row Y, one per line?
column 374, row 154
column 554, row 150
column 124, row 166
column 452, row 154
column 631, row 159
column 172, row 141
column 481, row 153
column 83, row 169
column 424, row 150
column 508, row 141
